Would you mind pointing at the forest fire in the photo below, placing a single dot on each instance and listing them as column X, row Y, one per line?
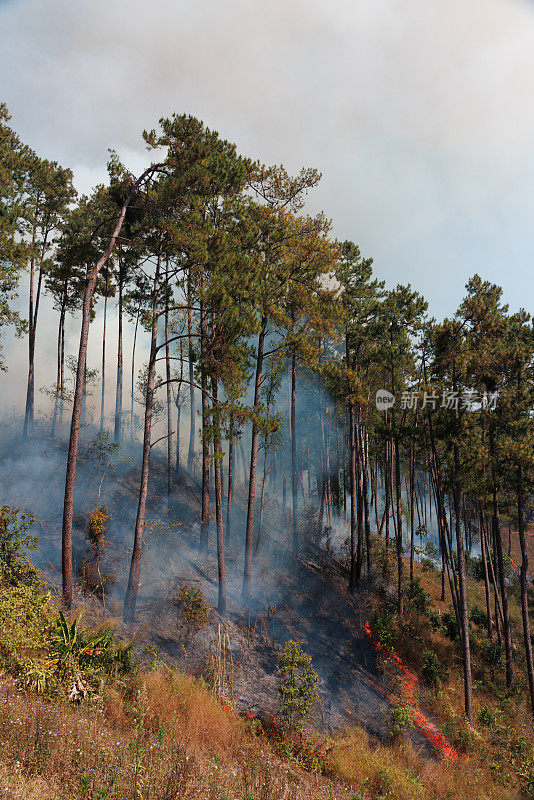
column 430, row 731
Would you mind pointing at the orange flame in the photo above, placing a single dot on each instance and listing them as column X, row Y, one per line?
column 429, row 730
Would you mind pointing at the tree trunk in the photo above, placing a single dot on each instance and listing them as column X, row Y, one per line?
column 59, row 366
column 500, row 562
column 217, row 457
column 130, row 600
column 524, row 585
column 247, row 569
column 294, row 518
column 62, row 381
column 70, row 477
column 191, row 453
column 132, row 387
column 412, row 508
column 230, row 477
column 363, row 448
column 262, row 500
column 118, row 394
column 168, row 387
column 205, row 510
column 32, row 322
column 353, row 578
column 486, row 576
column 178, row 403
column 464, row 614
column 387, row 485
column 103, row 393
column 398, row 532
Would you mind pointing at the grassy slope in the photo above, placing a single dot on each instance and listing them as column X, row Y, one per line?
column 160, row 734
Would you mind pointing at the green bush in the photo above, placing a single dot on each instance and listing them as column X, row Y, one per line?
column 493, row 657
column 382, row 626
column 450, row 626
column 47, row 652
column 297, row 685
column 15, row 541
column 433, row 671
column 418, row 599
column 400, row 721
column 193, row 608
column 478, row 617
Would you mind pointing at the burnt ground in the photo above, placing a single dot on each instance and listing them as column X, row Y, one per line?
column 304, row 599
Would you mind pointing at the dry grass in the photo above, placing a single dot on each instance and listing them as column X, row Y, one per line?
column 165, row 738
column 500, row 746
column 399, row 772
column 176, row 702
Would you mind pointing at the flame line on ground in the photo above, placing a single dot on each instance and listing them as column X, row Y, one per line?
column 429, row 730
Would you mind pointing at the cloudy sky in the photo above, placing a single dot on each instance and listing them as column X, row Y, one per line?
column 418, row 113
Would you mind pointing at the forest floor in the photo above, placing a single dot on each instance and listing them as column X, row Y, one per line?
column 304, row 599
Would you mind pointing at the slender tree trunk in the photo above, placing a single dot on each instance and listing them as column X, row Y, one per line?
column 130, row 600
column 32, row 320
column 464, row 614
column 294, row 519
column 328, row 495
column 68, row 504
column 365, row 491
column 247, row 569
column 230, row 477
column 524, row 586
column 353, row 578
column 191, row 453
column 59, row 365
column 205, row 510
column 500, row 562
column 262, row 500
column 217, row 458
column 487, row 590
column 62, row 382
column 118, row 393
column 178, row 403
column 412, row 509
column 498, row 607
column 387, row 485
column 132, row 387
column 103, row 393
column 243, row 463
column 168, row 387
column 359, row 495
column 398, row 532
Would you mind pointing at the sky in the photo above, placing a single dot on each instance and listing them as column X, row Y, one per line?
column 418, row 114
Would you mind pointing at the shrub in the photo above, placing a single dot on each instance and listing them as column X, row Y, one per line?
column 400, row 721
column 97, row 528
column 383, row 629
column 193, row 608
column 25, row 612
column 478, row 617
column 15, row 541
column 493, row 656
column 297, row 685
column 450, row 625
column 417, row 597
column 433, row 671
column 92, row 579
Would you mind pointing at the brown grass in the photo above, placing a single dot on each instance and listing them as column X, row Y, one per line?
column 176, row 702
column 399, row 772
column 165, row 738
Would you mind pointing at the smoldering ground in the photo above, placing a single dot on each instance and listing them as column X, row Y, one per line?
column 304, row 599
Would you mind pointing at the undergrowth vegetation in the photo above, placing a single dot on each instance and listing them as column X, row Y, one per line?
column 427, row 640
column 81, row 719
